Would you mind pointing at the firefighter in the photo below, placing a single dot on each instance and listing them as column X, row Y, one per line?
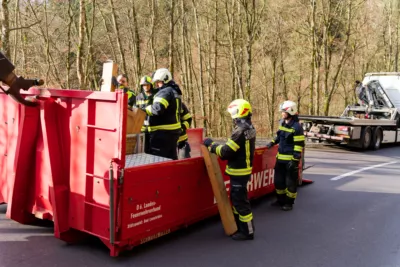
column 239, row 151
column 360, row 93
column 183, row 144
column 164, row 116
column 122, row 81
column 291, row 140
column 145, row 98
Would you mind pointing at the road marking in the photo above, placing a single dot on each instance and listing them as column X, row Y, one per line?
column 361, row 170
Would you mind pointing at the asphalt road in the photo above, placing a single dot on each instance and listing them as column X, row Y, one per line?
column 347, row 217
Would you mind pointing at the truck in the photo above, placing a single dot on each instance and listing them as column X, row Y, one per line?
column 373, row 121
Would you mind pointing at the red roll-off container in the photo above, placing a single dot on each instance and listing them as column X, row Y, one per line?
column 66, row 161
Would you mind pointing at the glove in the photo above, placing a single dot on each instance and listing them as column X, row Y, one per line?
column 181, row 144
column 207, row 142
column 143, row 108
column 270, row 144
column 114, row 81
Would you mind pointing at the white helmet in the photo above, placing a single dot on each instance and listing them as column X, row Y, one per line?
column 289, row 107
column 163, row 75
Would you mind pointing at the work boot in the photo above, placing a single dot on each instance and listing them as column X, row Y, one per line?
column 239, row 236
column 287, row 207
column 277, row 203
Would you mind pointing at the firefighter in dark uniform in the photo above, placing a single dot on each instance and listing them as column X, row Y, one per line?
column 164, row 116
column 122, row 81
column 239, row 151
column 183, row 144
column 144, row 99
column 291, row 140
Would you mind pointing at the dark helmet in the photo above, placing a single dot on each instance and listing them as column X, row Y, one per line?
column 146, row 80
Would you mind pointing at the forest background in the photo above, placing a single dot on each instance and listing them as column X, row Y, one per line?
column 266, row 51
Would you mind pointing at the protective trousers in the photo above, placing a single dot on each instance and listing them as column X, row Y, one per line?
column 147, row 143
column 184, row 152
column 163, row 144
column 285, row 181
column 241, row 204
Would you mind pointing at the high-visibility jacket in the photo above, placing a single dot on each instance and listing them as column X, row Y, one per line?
column 131, row 95
column 238, row 150
column 142, row 101
column 164, row 113
column 291, row 140
column 186, row 121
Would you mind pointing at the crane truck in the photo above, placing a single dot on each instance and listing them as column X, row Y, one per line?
column 373, row 121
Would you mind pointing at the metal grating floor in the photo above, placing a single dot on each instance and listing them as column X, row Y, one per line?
column 142, row 159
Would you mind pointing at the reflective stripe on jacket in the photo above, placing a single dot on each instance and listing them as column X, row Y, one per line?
column 238, row 150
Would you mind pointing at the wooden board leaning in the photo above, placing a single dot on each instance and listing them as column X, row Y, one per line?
column 218, row 186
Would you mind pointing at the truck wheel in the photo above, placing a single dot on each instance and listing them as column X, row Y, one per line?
column 366, row 137
column 377, row 139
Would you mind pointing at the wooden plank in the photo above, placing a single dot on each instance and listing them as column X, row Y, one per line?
column 218, row 186
column 110, row 69
column 135, row 121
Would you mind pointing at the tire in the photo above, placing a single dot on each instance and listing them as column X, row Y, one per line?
column 377, row 139
column 366, row 138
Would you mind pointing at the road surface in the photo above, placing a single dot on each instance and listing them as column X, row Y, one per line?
column 350, row 216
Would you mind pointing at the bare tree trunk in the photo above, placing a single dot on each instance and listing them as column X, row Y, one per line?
column 183, row 43
column 214, row 80
column 171, row 37
column 136, row 42
column 5, row 29
column 79, row 63
column 318, row 85
column 282, row 65
column 200, row 55
column 118, row 36
column 47, row 42
column 46, row 37
column 273, row 97
column 16, row 35
column 354, row 65
column 190, row 82
column 252, row 22
column 110, row 39
column 396, row 57
column 299, row 93
column 209, row 55
column 313, row 58
column 153, row 7
column 343, row 57
column 327, row 54
column 236, row 74
column 230, row 19
column 68, row 57
column 240, row 55
column 90, row 57
column 389, row 66
column 24, row 41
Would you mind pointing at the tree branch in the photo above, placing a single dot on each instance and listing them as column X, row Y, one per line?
column 24, row 27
